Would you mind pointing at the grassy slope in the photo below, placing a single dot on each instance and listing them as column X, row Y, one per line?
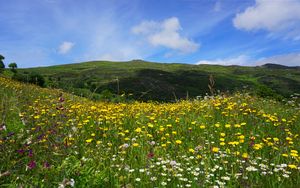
column 158, row 81
column 107, row 145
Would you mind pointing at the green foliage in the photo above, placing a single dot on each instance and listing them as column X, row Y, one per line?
column 13, row 67
column 33, row 78
column 37, row 79
column 2, row 66
column 264, row 91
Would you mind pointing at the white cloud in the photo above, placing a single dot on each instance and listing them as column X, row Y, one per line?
column 279, row 17
column 121, row 54
column 291, row 59
column 166, row 34
column 65, row 47
column 239, row 60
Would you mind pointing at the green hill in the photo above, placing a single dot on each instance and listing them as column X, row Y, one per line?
column 165, row 82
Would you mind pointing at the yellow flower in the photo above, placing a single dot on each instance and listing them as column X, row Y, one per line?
column 135, row 144
column 294, row 154
column 178, row 142
column 98, row 142
column 257, row 146
column 215, row 149
column 227, row 125
column 89, row 140
column 245, row 155
column 199, row 156
column 237, row 125
column 285, row 155
column 292, row 166
column 234, row 143
column 202, row 126
column 191, row 150
column 222, row 134
column 93, row 108
column 36, row 117
column 150, row 125
column 138, row 130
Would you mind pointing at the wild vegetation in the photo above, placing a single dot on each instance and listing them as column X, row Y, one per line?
column 49, row 138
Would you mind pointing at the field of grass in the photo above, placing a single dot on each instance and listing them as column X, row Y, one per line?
column 49, row 138
column 166, row 82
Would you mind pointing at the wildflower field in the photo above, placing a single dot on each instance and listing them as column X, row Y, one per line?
column 49, row 138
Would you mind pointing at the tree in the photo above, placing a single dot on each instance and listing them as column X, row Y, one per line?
column 13, row 67
column 2, row 66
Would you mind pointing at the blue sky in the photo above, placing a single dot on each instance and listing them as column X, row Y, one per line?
column 241, row 32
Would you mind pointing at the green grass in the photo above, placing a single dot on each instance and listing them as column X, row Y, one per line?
column 49, row 138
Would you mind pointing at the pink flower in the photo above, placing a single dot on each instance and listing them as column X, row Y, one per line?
column 31, row 165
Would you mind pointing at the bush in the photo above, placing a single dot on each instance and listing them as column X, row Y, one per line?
column 264, row 91
column 33, row 78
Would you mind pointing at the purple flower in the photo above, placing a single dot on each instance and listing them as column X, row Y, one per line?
column 46, row 165
column 30, row 154
column 61, row 99
column 31, row 165
column 10, row 134
column 20, row 151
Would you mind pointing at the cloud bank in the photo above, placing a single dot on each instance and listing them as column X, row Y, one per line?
column 291, row 59
column 239, row 60
column 279, row 17
column 166, row 34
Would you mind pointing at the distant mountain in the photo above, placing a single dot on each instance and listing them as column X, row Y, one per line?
column 167, row 82
column 278, row 66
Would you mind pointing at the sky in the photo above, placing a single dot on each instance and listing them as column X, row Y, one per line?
column 227, row 32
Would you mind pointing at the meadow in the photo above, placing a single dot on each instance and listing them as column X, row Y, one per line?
column 49, row 138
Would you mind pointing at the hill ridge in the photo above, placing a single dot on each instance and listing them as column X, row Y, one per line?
column 164, row 81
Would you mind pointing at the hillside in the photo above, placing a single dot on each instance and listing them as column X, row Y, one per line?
column 167, row 82
column 49, row 138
